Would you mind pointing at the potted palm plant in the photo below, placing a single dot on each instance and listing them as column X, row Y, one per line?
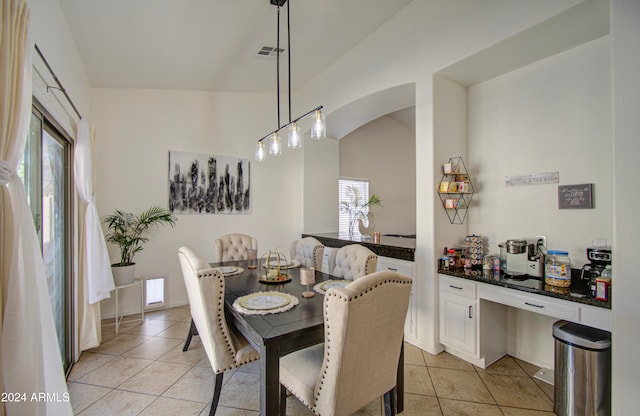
column 357, row 207
column 128, row 232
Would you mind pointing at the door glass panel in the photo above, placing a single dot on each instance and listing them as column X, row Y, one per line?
column 29, row 169
column 44, row 172
column 53, row 230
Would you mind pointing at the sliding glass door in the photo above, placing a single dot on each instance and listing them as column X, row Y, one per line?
column 45, row 172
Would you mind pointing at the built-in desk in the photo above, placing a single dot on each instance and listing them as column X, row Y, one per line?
column 473, row 311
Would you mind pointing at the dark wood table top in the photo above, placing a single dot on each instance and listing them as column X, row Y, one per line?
column 303, row 318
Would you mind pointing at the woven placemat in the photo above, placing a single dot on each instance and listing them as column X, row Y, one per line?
column 238, row 270
column 320, row 287
column 241, row 304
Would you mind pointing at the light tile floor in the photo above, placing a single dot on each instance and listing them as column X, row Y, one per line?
column 143, row 371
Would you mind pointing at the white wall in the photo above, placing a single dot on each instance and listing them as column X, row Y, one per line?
column 50, row 32
column 320, row 187
column 625, row 31
column 450, row 140
column 135, row 130
column 383, row 151
column 551, row 116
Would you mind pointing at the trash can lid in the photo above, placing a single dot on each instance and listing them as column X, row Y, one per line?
column 581, row 335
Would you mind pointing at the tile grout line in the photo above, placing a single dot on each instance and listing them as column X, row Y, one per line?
column 157, row 397
column 112, row 389
column 180, row 316
column 508, row 375
column 487, row 387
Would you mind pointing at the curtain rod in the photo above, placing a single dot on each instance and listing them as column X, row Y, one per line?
column 59, row 87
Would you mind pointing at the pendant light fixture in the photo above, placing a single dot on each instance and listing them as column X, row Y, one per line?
column 275, row 147
column 273, row 141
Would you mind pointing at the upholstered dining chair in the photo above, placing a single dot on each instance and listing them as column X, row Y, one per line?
column 308, row 252
column 353, row 261
column 229, row 247
column 358, row 362
column 234, row 247
column 225, row 347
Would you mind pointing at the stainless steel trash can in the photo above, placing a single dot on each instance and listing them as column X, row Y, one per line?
column 582, row 374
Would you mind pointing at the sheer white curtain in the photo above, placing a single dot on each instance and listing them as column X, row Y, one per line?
column 95, row 280
column 31, row 362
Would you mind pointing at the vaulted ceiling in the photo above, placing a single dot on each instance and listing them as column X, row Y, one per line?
column 214, row 44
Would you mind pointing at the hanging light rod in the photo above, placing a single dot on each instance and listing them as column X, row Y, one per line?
column 318, row 129
column 291, row 122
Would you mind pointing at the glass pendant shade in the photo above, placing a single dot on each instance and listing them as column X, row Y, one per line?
column 319, row 128
column 295, row 138
column 261, row 155
column 275, row 148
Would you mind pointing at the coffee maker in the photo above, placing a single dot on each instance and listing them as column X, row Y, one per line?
column 521, row 258
column 599, row 257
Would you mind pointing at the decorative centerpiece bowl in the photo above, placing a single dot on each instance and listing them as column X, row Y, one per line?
column 273, row 266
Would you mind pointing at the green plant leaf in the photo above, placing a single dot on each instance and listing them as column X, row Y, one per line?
column 127, row 230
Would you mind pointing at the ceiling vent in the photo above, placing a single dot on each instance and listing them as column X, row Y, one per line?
column 271, row 51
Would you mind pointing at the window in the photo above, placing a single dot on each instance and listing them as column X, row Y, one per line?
column 350, row 191
column 155, row 292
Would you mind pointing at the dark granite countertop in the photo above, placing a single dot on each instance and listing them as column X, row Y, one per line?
column 577, row 292
column 395, row 247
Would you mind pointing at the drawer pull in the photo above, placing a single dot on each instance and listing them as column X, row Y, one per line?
column 393, row 269
column 534, row 305
column 455, row 287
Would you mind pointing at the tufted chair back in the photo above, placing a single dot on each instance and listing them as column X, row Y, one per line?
column 364, row 324
column 353, row 261
column 308, row 251
column 226, row 349
column 234, row 247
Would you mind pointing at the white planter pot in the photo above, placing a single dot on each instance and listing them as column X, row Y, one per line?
column 123, row 275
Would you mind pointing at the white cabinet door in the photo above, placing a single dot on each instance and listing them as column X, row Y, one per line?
column 458, row 322
column 408, row 268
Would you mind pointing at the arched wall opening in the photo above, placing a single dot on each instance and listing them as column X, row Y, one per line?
column 321, row 164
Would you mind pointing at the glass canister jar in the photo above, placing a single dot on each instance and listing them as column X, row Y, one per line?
column 557, row 268
column 453, row 259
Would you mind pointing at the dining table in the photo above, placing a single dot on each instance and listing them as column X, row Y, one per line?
column 274, row 335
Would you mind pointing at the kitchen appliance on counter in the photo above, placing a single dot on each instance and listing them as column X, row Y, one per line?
column 593, row 273
column 599, row 258
column 519, row 258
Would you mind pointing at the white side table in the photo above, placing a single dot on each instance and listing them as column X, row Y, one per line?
column 118, row 320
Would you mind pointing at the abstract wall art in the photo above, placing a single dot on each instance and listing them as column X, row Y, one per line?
column 201, row 184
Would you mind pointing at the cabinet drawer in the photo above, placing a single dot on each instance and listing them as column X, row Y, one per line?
column 396, row 265
column 457, row 287
column 538, row 304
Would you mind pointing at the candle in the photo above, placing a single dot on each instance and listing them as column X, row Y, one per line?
column 307, row 277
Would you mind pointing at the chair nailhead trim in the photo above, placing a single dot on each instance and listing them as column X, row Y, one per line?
column 221, row 321
column 328, row 334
